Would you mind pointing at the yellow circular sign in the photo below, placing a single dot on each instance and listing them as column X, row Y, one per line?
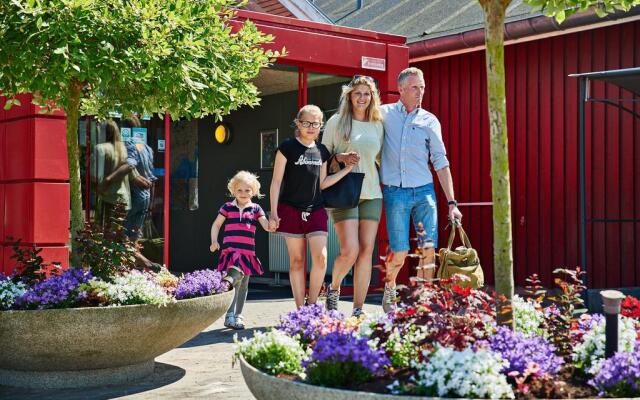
column 222, row 134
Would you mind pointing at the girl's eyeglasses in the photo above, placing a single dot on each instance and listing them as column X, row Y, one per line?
column 309, row 124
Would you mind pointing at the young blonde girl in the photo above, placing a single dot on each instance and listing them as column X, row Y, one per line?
column 297, row 211
column 238, row 247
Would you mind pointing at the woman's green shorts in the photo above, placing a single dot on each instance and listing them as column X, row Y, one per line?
column 369, row 210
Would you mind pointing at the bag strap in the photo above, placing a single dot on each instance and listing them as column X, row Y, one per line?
column 463, row 237
column 452, row 237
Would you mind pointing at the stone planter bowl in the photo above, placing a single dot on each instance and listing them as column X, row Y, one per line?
column 267, row 387
column 81, row 347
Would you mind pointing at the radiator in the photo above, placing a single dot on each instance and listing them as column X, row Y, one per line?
column 279, row 258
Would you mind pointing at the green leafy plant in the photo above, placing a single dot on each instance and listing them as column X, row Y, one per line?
column 186, row 58
column 566, row 301
column 106, row 251
column 31, row 266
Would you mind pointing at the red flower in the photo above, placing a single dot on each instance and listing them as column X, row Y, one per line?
column 631, row 307
column 457, row 289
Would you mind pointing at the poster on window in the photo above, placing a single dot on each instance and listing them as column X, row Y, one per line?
column 268, row 146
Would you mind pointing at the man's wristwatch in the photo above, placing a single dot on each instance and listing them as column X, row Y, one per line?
column 453, row 203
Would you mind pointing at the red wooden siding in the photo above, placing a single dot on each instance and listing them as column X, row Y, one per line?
column 542, row 104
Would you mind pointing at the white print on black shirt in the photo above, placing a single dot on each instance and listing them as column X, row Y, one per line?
column 306, row 161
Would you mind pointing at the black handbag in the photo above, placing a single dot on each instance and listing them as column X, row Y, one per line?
column 345, row 193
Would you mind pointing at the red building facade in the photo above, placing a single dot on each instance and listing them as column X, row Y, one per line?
column 542, row 108
column 34, row 188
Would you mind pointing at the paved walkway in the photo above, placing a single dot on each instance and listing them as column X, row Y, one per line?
column 200, row 368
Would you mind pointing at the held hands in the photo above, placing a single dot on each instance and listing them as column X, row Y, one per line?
column 142, row 182
column 274, row 223
column 349, row 159
column 214, row 247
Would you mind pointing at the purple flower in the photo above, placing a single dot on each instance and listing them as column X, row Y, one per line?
column 520, row 351
column 308, row 321
column 619, row 376
column 57, row 291
column 200, row 283
column 347, row 347
column 342, row 359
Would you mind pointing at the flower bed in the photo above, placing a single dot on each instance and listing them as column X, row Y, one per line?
column 103, row 323
column 75, row 330
column 444, row 342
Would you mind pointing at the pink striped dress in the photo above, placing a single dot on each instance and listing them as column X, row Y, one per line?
column 239, row 243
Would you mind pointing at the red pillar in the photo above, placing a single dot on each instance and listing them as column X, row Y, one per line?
column 34, row 183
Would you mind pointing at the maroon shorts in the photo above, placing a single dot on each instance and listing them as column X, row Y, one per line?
column 296, row 223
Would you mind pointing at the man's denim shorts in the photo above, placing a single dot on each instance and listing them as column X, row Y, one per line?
column 417, row 203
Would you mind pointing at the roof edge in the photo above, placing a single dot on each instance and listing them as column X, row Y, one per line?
column 513, row 31
column 292, row 23
column 304, row 9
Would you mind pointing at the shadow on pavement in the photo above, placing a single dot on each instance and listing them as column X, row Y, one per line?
column 224, row 335
column 163, row 375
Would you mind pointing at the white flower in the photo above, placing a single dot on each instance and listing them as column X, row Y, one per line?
column 589, row 355
column 273, row 352
column 132, row 288
column 451, row 373
column 9, row 292
column 528, row 317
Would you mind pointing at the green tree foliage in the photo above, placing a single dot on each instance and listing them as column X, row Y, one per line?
column 148, row 56
column 494, row 12
column 561, row 9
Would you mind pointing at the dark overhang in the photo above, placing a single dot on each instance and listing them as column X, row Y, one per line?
column 628, row 78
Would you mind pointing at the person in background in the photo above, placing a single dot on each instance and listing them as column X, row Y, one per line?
column 140, row 162
column 110, row 173
column 356, row 133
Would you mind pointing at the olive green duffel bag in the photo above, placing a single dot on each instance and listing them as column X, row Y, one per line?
column 462, row 260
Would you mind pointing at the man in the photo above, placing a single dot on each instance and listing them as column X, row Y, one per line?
column 140, row 162
column 412, row 139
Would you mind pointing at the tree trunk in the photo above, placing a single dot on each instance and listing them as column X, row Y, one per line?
column 72, row 110
column 494, row 11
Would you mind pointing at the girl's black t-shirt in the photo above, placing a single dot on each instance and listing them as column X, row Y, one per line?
column 301, row 181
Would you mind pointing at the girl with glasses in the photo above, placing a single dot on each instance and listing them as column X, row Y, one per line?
column 297, row 212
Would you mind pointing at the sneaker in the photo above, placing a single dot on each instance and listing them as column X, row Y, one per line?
column 333, row 296
column 389, row 298
column 230, row 320
column 357, row 312
column 239, row 323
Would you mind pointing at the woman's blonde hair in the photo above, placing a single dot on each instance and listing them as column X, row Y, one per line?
column 247, row 178
column 345, row 109
column 113, row 136
column 308, row 109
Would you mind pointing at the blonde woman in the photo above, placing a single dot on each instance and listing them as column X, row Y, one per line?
column 110, row 173
column 355, row 134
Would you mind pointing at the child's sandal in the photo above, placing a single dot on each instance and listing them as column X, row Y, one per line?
column 230, row 321
column 238, row 323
